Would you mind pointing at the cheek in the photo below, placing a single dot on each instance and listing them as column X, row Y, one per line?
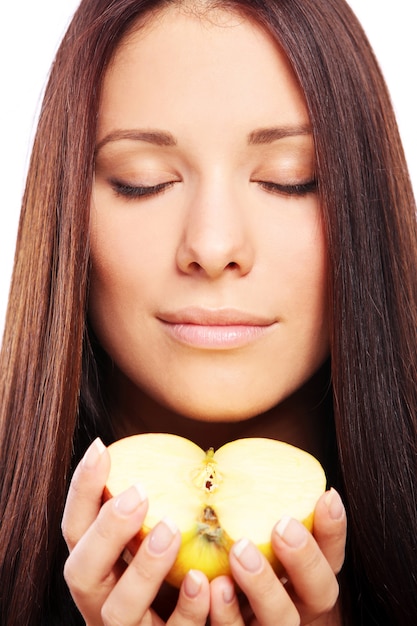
column 303, row 285
column 128, row 252
column 308, row 275
column 115, row 249
column 116, row 264
column 298, row 259
column 131, row 261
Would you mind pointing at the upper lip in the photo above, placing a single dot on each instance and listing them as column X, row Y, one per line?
column 215, row 317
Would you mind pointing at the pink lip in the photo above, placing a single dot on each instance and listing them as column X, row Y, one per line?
column 215, row 328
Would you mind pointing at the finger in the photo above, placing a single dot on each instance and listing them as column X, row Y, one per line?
column 90, row 569
column 193, row 604
column 314, row 584
column 130, row 599
column 224, row 606
column 85, row 493
column 266, row 595
column 330, row 528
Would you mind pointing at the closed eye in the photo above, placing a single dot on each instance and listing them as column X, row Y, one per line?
column 142, row 191
column 301, row 189
column 139, row 191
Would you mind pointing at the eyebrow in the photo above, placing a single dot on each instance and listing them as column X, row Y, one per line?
column 269, row 135
column 155, row 137
column 166, row 139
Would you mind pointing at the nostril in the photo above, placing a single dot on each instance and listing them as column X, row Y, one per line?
column 195, row 267
column 205, row 252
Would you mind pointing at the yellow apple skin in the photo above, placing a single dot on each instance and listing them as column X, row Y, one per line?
column 245, row 471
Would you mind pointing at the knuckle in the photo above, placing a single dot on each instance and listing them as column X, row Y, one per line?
column 335, row 536
column 104, row 526
column 266, row 585
column 338, row 563
column 333, row 547
column 228, row 620
column 110, row 616
column 72, row 577
column 231, row 619
column 339, row 533
column 70, row 536
column 142, row 569
column 312, row 561
column 187, row 614
column 76, row 484
column 335, row 553
column 325, row 602
column 293, row 616
column 192, row 610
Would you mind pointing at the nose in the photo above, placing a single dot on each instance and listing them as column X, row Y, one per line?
column 216, row 235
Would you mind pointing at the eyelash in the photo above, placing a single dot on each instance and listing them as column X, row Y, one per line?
column 135, row 192
column 289, row 190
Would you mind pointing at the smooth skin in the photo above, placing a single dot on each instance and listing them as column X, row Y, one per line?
column 195, row 106
column 208, row 292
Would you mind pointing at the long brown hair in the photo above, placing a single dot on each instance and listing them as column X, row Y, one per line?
column 50, row 370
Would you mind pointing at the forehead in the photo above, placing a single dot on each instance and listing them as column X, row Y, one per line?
column 180, row 66
column 196, row 26
column 182, row 20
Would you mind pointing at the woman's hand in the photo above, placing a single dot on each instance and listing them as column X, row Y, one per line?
column 108, row 593
column 311, row 564
column 105, row 590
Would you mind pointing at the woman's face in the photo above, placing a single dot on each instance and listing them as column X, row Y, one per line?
column 208, row 257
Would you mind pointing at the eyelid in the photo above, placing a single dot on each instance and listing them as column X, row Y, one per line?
column 290, row 189
column 137, row 191
column 129, row 191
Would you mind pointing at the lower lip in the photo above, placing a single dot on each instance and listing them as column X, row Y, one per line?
column 216, row 337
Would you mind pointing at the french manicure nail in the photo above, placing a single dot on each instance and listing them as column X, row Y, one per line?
column 334, row 505
column 161, row 536
column 93, row 454
column 193, row 583
column 292, row 532
column 247, row 555
column 128, row 501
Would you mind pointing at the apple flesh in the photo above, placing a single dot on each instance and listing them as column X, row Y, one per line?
column 215, row 498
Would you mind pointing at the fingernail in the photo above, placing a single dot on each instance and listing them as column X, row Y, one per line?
column 334, row 505
column 192, row 583
column 292, row 532
column 93, row 454
column 228, row 592
column 161, row 536
column 247, row 555
column 130, row 500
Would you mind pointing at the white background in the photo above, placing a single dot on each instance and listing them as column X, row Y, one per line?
column 29, row 35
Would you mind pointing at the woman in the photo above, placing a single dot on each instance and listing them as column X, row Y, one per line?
column 66, row 380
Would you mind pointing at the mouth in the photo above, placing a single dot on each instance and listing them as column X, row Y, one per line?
column 218, row 329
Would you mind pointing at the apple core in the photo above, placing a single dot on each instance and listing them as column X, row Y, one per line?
column 216, row 497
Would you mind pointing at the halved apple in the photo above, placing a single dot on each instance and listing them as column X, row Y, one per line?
column 215, row 498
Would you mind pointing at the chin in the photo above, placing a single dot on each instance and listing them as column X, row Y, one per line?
column 220, row 408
